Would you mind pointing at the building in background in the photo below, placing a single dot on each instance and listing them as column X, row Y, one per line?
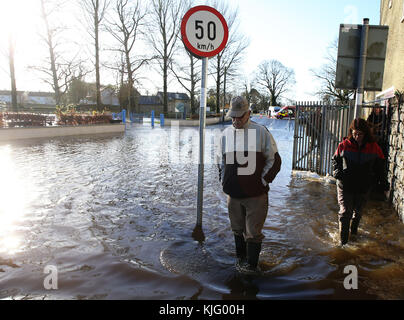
column 177, row 102
column 29, row 100
column 148, row 103
column 109, row 97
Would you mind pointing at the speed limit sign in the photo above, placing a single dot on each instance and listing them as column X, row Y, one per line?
column 204, row 31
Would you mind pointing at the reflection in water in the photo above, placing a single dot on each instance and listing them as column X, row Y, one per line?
column 14, row 196
column 241, row 287
column 115, row 215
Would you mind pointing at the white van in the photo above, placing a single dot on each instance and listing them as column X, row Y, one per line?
column 273, row 110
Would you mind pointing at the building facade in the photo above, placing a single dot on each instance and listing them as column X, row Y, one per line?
column 392, row 15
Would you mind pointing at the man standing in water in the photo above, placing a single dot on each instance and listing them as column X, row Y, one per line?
column 249, row 162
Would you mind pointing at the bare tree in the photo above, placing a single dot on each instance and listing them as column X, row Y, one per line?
column 326, row 75
column 163, row 35
column 276, row 78
column 94, row 13
column 245, row 88
column 127, row 25
column 58, row 72
column 232, row 59
column 188, row 75
column 250, row 93
column 226, row 63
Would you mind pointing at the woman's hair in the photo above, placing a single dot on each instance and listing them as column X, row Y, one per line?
column 362, row 125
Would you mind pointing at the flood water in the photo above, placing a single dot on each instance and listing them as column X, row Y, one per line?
column 114, row 214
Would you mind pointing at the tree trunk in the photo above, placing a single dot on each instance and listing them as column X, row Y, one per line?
column 54, row 74
column 165, row 95
column 218, row 85
column 12, row 75
column 193, row 107
column 224, row 88
column 192, row 85
column 97, row 57
column 273, row 100
column 52, row 56
column 129, row 108
column 122, row 83
column 130, row 80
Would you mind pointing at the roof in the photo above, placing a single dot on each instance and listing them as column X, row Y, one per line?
column 175, row 95
column 29, row 93
column 42, row 98
column 149, row 100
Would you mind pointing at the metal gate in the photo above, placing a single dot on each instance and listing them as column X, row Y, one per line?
column 319, row 128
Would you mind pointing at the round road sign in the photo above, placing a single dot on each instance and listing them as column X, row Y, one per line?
column 204, row 31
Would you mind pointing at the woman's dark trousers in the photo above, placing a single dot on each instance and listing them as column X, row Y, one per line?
column 350, row 212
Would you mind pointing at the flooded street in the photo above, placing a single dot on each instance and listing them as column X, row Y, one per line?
column 114, row 214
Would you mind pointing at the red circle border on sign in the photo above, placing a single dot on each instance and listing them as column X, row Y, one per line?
column 185, row 38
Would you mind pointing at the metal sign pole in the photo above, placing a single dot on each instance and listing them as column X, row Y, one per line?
column 202, row 116
column 198, row 234
column 204, row 32
column 361, row 71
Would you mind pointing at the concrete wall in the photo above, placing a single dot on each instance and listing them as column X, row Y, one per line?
column 394, row 64
column 396, row 161
column 10, row 134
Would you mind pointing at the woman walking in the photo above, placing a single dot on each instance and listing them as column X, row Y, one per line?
column 358, row 165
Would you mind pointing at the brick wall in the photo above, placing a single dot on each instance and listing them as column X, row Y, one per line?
column 396, row 160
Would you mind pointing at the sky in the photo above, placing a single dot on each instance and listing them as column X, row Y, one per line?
column 295, row 32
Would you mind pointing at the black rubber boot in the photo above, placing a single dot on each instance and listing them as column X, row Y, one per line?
column 253, row 253
column 354, row 226
column 344, row 231
column 241, row 248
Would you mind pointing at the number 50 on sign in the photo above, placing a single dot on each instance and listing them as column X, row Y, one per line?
column 204, row 31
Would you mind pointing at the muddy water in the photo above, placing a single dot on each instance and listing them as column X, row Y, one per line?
column 114, row 214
